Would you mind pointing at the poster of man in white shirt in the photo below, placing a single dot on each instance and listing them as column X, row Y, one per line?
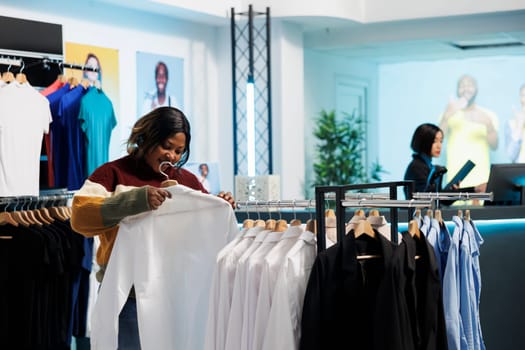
column 159, row 82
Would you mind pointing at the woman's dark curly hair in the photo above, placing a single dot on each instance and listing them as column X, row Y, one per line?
column 154, row 128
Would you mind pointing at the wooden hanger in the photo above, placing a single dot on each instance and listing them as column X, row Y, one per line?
column 373, row 212
column 311, row 225
column 248, row 223
column 460, row 213
column 169, row 183
column 8, row 77
column 467, row 215
column 30, row 215
column 270, row 224
column 67, row 211
column 38, row 215
column 437, row 216
column 359, row 212
column 295, row 222
column 85, row 83
column 62, row 78
column 57, row 213
column 260, row 223
column 33, row 214
column 6, row 218
column 46, row 215
column 364, row 227
column 73, row 82
column 413, row 228
column 329, row 213
column 17, row 215
column 281, row 226
column 21, row 78
column 429, row 213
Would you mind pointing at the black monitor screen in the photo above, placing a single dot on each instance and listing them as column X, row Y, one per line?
column 505, row 182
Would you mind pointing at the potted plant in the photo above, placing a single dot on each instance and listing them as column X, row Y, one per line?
column 339, row 158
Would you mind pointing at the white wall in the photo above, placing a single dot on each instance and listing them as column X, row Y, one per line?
column 288, row 108
column 321, row 72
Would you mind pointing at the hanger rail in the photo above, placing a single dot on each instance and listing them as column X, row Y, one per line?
column 489, row 196
column 8, row 61
column 387, row 203
column 303, row 203
column 41, row 199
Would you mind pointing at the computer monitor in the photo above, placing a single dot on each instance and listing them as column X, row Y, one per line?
column 506, row 182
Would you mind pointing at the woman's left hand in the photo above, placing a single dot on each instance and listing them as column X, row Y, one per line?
column 227, row 196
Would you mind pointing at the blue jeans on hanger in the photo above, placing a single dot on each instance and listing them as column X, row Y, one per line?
column 128, row 327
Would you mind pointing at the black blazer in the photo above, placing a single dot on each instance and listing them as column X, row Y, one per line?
column 342, row 293
column 413, row 316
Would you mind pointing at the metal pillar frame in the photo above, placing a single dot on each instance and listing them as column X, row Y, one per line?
column 250, row 45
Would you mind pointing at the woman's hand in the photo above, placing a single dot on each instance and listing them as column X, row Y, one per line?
column 157, row 196
column 227, row 196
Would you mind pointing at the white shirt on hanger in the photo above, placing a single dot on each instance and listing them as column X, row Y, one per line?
column 283, row 328
column 228, row 266
column 213, row 306
column 168, row 255
column 270, row 268
column 255, row 263
column 24, row 119
column 235, row 320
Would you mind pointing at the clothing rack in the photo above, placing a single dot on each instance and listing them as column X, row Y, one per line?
column 303, row 203
column 269, row 206
column 44, row 61
column 488, row 196
column 341, row 203
column 46, row 198
column 387, row 203
column 306, row 203
column 8, row 61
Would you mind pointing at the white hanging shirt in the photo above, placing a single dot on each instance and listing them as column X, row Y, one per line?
column 270, row 269
column 24, row 119
column 217, row 329
column 235, row 320
column 254, row 270
column 168, row 255
column 283, row 328
column 213, row 306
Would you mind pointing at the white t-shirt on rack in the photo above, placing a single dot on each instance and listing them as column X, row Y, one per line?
column 24, row 119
